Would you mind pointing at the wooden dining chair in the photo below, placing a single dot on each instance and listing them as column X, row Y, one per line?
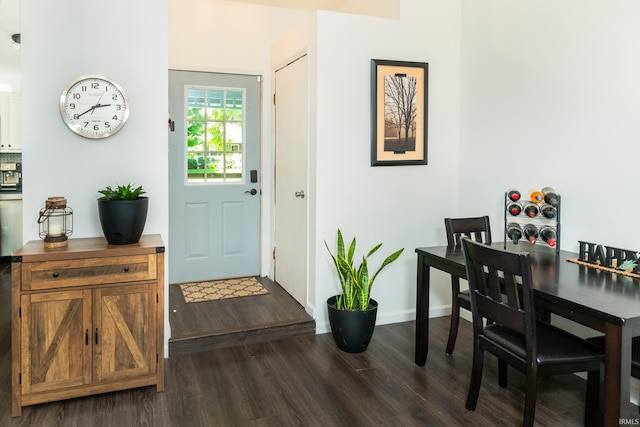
column 501, row 289
column 479, row 229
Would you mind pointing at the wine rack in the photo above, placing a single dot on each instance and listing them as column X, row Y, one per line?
column 539, row 220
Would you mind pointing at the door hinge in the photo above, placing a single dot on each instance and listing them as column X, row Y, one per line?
column 274, row 252
column 274, row 99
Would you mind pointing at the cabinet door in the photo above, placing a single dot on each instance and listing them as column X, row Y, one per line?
column 4, row 121
column 56, row 350
column 14, row 126
column 11, row 122
column 125, row 331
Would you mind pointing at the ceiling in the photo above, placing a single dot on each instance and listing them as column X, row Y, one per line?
column 9, row 24
column 10, row 20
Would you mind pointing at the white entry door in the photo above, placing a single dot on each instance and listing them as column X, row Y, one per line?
column 214, row 172
column 291, row 181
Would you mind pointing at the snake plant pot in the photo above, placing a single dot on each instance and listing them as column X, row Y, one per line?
column 352, row 330
column 123, row 221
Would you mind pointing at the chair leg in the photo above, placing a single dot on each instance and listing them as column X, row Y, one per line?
column 502, row 373
column 530, row 399
column 455, row 315
column 476, row 376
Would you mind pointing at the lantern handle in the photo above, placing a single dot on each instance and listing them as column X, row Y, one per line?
column 43, row 215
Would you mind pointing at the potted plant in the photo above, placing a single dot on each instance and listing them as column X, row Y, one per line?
column 352, row 313
column 123, row 213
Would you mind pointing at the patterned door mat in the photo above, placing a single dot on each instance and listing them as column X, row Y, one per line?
column 221, row 289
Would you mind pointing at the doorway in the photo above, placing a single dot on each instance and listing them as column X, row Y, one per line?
column 214, row 175
column 214, row 215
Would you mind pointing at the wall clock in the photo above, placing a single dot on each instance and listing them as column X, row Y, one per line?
column 94, row 107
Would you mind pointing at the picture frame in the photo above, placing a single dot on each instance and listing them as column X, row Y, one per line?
column 399, row 93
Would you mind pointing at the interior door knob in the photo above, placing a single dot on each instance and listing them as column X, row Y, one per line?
column 253, row 192
column 300, row 194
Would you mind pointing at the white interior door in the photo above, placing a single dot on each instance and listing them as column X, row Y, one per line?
column 214, row 171
column 291, row 147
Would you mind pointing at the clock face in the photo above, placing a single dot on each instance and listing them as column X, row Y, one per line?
column 94, row 107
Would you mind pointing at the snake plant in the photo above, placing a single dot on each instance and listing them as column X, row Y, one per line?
column 355, row 281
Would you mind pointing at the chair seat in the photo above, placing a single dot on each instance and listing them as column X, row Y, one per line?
column 555, row 346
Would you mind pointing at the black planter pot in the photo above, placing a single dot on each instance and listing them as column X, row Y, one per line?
column 123, row 221
column 352, row 330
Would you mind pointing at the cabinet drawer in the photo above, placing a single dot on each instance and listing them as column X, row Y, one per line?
column 90, row 271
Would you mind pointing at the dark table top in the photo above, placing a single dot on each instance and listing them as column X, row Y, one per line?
column 607, row 296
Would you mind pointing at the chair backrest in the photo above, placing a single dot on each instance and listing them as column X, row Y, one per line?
column 477, row 228
column 500, row 285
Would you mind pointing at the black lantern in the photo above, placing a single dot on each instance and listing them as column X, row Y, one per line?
column 56, row 222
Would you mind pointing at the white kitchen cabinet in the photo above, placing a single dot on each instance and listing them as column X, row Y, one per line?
column 11, row 122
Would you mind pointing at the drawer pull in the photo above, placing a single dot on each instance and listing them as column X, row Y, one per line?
column 96, row 335
column 86, row 337
column 55, row 274
column 126, row 269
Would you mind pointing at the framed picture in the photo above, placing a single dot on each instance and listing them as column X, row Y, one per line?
column 398, row 112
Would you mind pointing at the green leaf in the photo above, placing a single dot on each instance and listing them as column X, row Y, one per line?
column 355, row 283
column 121, row 192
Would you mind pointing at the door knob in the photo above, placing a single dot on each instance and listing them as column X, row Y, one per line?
column 253, row 192
column 300, row 194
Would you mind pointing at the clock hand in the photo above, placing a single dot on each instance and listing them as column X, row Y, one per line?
column 97, row 103
column 99, row 106
column 93, row 108
column 90, row 109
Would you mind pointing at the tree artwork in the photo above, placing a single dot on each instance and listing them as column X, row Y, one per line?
column 400, row 109
column 399, row 112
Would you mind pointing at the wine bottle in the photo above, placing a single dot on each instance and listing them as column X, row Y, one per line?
column 513, row 195
column 548, row 211
column 531, row 209
column 548, row 234
column 530, row 232
column 550, row 196
column 514, row 232
column 514, row 208
column 536, row 196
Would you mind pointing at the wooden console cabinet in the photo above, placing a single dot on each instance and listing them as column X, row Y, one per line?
column 86, row 319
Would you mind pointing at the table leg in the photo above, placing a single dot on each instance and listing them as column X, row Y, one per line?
column 616, row 406
column 422, row 312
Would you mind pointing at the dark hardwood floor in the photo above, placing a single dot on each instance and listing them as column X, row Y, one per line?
column 203, row 326
column 306, row 381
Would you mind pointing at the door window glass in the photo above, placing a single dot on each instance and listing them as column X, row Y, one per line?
column 215, row 135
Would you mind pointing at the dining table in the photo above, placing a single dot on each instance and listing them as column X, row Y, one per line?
column 601, row 300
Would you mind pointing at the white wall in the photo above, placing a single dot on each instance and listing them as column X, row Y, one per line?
column 126, row 42
column 401, row 206
column 550, row 96
column 60, row 46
